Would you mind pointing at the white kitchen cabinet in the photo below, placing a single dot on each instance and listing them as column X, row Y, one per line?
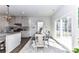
column 12, row 41
column 24, row 33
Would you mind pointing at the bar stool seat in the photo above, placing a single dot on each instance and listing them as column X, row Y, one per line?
column 2, row 44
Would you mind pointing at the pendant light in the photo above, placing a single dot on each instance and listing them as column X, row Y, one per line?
column 8, row 17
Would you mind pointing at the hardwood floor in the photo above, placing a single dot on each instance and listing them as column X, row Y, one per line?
column 18, row 48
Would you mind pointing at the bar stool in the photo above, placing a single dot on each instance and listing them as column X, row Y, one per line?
column 2, row 44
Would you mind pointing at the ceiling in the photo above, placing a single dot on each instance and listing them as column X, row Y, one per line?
column 29, row 10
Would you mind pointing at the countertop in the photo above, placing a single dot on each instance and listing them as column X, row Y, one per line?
column 5, row 34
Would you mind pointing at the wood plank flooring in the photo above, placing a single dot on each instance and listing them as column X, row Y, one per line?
column 18, row 48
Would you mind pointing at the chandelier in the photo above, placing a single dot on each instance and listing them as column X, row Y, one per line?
column 8, row 17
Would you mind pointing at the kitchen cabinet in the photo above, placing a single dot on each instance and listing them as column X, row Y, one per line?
column 11, row 40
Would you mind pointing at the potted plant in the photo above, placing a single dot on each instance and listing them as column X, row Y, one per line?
column 76, row 50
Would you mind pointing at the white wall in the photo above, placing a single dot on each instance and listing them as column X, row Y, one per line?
column 64, row 11
column 33, row 23
column 3, row 23
column 71, row 12
column 24, row 21
column 18, row 19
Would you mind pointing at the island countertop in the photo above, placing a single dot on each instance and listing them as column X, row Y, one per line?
column 3, row 35
column 9, row 33
column 12, row 40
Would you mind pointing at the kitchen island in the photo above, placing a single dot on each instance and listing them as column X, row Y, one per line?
column 12, row 40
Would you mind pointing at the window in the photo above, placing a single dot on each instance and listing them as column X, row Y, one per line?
column 58, row 25
column 66, row 26
column 78, row 17
column 69, row 26
column 63, row 27
column 40, row 25
column 58, row 28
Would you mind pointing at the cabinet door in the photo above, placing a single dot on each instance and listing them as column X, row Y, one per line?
column 25, row 33
column 12, row 41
